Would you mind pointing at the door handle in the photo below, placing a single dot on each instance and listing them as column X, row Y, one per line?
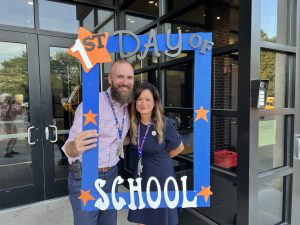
column 29, row 135
column 297, row 149
column 47, row 133
column 55, row 133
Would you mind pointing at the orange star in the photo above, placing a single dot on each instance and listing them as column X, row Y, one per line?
column 90, row 49
column 205, row 192
column 201, row 113
column 85, row 196
column 90, row 117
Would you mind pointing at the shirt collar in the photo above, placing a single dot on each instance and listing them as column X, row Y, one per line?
column 114, row 101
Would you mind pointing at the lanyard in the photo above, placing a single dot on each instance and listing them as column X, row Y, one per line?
column 119, row 128
column 140, row 146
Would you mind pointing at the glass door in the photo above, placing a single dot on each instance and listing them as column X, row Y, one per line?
column 21, row 150
column 61, row 94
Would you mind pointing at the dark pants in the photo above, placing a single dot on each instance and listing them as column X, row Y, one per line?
column 107, row 217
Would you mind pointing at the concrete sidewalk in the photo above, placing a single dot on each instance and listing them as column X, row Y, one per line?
column 51, row 212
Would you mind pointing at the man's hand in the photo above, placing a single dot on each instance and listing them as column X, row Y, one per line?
column 83, row 141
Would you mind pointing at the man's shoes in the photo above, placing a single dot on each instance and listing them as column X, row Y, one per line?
column 7, row 155
column 14, row 152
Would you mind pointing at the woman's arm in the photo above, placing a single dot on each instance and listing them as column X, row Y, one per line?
column 176, row 151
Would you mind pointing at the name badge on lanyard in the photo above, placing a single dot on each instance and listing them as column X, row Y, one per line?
column 140, row 146
column 119, row 127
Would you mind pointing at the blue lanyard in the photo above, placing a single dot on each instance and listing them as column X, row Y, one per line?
column 120, row 129
column 140, row 146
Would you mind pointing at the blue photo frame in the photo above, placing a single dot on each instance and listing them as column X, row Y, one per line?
column 202, row 117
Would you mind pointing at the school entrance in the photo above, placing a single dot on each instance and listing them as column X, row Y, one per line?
column 38, row 97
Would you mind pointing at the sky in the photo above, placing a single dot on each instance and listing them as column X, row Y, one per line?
column 269, row 17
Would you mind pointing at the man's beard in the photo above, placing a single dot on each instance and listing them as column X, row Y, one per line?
column 119, row 96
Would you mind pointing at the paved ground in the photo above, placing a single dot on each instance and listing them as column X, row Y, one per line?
column 51, row 212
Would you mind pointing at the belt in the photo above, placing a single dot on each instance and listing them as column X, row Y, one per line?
column 104, row 169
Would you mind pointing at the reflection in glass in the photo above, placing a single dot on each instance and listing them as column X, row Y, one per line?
column 278, row 23
column 65, row 19
column 134, row 23
column 17, row 13
column 271, row 142
column 225, row 22
column 149, row 60
column 179, row 86
column 66, row 96
column 274, row 67
column 270, row 200
column 88, row 21
column 15, row 152
column 140, row 78
column 103, row 15
column 225, row 81
column 106, row 24
column 224, row 204
column 145, row 6
column 219, row 17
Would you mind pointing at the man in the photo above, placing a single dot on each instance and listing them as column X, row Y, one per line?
column 113, row 127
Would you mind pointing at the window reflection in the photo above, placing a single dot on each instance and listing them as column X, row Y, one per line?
column 219, row 17
column 134, row 23
column 275, row 68
column 66, row 96
column 145, row 6
column 15, row 152
column 276, row 18
column 179, row 85
column 66, row 17
column 270, row 201
column 103, row 15
column 88, row 22
column 225, row 22
column 225, row 81
column 17, row 13
column 271, row 138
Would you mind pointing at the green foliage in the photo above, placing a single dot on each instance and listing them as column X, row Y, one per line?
column 65, row 74
column 14, row 76
column 267, row 65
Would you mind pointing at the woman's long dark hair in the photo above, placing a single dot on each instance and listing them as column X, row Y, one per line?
column 157, row 113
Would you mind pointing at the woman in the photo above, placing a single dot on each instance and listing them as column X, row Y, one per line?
column 156, row 141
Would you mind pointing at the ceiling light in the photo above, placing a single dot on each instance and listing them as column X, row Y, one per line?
column 187, row 30
column 30, row 2
column 151, row 2
column 131, row 21
column 218, row 17
column 178, row 28
column 155, row 4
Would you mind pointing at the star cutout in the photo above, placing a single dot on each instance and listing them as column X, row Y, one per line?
column 201, row 114
column 90, row 49
column 90, row 118
column 85, row 196
column 205, row 192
